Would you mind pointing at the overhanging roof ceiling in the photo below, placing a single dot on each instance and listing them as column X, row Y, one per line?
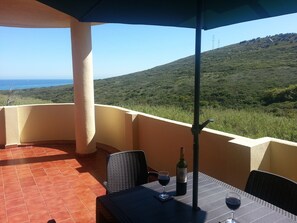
column 31, row 13
column 180, row 13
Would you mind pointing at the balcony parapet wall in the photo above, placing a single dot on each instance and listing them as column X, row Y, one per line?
column 225, row 156
column 2, row 128
column 36, row 123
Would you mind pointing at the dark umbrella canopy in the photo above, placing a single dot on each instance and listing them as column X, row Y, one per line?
column 179, row 13
column 198, row 14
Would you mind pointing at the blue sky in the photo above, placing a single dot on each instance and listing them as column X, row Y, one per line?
column 119, row 49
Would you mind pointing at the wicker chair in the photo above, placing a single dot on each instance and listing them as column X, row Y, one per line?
column 126, row 170
column 274, row 189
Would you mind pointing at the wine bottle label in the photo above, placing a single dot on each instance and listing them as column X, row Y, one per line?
column 181, row 175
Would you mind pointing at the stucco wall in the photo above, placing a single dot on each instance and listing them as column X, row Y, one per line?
column 2, row 127
column 227, row 157
column 161, row 140
column 11, row 126
column 260, row 154
column 283, row 158
column 39, row 123
column 110, row 126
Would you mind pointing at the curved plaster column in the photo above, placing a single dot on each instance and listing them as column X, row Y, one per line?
column 83, row 87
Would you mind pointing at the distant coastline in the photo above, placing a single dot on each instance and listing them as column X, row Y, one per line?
column 14, row 84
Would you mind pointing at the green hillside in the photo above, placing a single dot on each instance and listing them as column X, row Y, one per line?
column 250, row 88
column 235, row 76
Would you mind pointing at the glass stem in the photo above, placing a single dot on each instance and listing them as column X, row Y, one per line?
column 232, row 215
column 163, row 189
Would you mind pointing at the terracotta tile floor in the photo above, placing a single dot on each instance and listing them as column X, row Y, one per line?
column 41, row 183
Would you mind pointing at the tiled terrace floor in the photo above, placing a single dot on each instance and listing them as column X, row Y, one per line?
column 41, row 183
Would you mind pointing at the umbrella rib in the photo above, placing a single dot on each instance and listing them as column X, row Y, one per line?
column 259, row 10
column 90, row 10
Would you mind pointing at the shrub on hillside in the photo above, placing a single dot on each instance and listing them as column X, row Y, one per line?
column 278, row 95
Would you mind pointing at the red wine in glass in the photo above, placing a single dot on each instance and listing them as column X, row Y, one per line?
column 163, row 178
column 233, row 202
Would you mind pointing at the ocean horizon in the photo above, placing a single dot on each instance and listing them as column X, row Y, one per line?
column 14, row 84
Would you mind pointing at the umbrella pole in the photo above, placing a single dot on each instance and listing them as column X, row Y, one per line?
column 195, row 127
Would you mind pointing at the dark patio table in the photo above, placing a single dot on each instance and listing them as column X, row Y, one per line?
column 141, row 205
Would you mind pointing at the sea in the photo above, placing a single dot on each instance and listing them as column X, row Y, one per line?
column 32, row 83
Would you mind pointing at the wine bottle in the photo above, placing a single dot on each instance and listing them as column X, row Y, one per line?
column 181, row 174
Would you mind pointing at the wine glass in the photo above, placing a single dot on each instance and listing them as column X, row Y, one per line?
column 233, row 202
column 163, row 178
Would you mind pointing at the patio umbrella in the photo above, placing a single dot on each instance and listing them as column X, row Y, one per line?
column 179, row 13
column 198, row 14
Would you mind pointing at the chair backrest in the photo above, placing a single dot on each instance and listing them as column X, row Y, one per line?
column 274, row 189
column 126, row 170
